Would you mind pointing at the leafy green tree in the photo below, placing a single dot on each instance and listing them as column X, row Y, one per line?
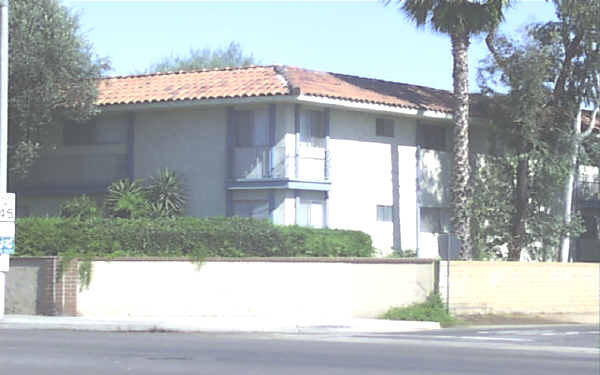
column 232, row 56
column 549, row 79
column 460, row 20
column 52, row 76
column 575, row 38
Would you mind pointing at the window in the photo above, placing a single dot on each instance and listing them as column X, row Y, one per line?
column 384, row 127
column 251, row 128
column 76, row 134
column 432, row 137
column 257, row 209
column 435, row 220
column 312, row 129
column 384, row 213
column 310, row 213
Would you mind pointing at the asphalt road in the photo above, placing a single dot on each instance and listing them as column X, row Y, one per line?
column 472, row 351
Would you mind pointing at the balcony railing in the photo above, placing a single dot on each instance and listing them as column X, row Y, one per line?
column 264, row 162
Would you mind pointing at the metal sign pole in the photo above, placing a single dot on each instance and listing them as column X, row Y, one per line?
column 7, row 201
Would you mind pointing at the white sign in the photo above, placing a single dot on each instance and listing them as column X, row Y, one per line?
column 7, row 207
column 7, row 223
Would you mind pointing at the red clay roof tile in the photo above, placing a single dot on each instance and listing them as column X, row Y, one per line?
column 267, row 81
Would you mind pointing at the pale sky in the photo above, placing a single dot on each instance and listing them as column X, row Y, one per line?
column 363, row 38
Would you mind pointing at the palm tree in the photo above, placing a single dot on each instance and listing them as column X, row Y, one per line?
column 460, row 19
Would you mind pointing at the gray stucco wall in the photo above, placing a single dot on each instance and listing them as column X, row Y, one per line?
column 191, row 143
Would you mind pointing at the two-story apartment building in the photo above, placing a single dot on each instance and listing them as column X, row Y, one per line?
column 291, row 145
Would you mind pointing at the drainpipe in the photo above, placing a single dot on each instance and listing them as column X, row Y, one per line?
column 297, row 140
column 418, row 196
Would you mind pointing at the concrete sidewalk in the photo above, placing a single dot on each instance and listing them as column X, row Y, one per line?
column 214, row 324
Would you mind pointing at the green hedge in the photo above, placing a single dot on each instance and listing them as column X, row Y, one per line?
column 183, row 237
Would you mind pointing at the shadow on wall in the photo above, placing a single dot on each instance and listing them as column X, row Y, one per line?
column 434, row 181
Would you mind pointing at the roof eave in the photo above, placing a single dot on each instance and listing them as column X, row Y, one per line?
column 281, row 98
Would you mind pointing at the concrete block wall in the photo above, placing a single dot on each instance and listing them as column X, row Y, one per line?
column 35, row 286
column 571, row 289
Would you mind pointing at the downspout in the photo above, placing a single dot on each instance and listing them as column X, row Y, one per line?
column 418, row 196
column 397, row 236
column 297, row 140
column 229, row 160
column 131, row 146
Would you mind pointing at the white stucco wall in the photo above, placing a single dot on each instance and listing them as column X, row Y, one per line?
column 263, row 289
column 191, row 143
column 361, row 176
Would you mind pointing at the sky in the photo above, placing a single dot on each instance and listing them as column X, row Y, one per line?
column 362, row 38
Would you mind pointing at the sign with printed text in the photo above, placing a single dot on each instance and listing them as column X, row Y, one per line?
column 7, row 207
column 7, row 223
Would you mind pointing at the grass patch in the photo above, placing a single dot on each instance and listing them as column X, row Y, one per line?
column 432, row 310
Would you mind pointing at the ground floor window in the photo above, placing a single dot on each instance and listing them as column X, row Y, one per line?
column 257, row 209
column 311, row 213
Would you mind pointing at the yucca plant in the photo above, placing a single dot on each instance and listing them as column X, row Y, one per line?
column 165, row 193
column 126, row 199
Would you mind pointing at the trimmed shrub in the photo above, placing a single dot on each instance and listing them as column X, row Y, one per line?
column 82, row 208
column 183, row 237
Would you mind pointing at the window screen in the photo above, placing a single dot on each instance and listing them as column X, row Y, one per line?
column 75, row 134
column 432, row 137
column 251, row 128
column 384, row 127
column 312, row 129
column 257, row 209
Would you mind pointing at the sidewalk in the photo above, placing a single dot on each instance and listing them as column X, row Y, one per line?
column 213, row 325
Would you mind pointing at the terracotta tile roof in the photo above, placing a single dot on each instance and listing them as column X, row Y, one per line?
column 268, row 81
column 205, row 84
column 368, row 90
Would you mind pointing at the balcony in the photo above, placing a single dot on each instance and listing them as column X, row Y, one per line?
column 274, row 168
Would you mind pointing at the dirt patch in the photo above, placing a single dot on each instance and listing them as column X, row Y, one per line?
column 510, row 319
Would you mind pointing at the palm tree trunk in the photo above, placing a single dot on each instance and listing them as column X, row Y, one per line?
column 461, row 168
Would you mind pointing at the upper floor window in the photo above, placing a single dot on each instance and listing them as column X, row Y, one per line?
column 77, row 134
column 384, row 127
column 432, row 137
column 251, row 128
column 312, row 129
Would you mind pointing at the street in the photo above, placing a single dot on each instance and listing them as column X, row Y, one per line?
column 528, row 350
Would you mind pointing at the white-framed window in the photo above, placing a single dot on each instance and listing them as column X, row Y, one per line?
column 312, row 129
column 384, row 213
column 384, row 127
column 257, row 209
column 251, row 128
column 311, row 213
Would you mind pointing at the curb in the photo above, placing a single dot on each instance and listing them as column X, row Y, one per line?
column 213, row 325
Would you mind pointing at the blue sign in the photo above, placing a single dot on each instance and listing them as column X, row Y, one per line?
column 7, row 245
